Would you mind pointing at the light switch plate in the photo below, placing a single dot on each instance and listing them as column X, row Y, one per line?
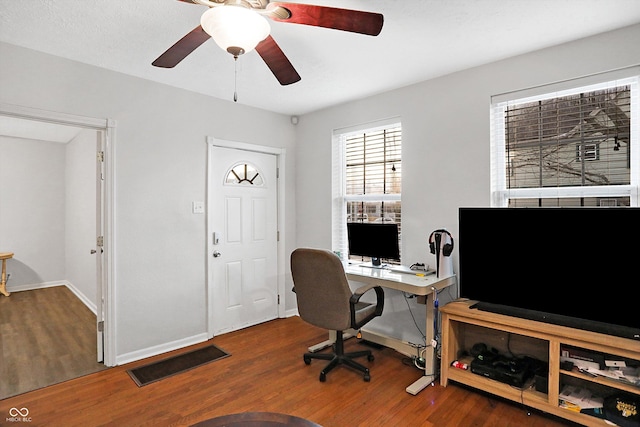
column 197, row 207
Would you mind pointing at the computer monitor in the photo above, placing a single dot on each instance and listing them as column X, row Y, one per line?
column 373, row 240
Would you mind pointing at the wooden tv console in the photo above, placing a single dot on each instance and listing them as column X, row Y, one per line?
column 462, row 327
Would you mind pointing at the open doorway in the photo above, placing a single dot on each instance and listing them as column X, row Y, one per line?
column 54, row 212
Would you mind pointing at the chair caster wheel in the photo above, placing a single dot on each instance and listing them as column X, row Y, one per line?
column 367, row 378
column 323, row 377
column 370, row 358
column 307, row 360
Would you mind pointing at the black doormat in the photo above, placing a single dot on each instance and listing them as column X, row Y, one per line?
column 162, row 369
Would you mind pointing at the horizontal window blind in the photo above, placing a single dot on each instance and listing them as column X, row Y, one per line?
column 373, row 162
column 367, row 179
column 582, row 139
column 580, row 143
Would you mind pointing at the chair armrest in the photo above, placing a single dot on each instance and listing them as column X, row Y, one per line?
column 362, row 289
column 355, row 298
column 358, row 293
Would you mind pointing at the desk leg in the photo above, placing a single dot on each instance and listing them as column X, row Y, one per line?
column 328, row 343
column 420, row 384
column 324, row 344
column 3, row 279
column 430, row 363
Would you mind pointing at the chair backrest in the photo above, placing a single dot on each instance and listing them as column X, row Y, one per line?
column 321, row 288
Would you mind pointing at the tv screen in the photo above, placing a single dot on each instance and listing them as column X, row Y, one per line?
column 373, row 240
column 578, row 267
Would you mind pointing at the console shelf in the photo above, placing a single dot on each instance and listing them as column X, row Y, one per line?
column 463, row 327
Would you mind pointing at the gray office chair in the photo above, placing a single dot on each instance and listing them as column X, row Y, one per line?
column 326, row 301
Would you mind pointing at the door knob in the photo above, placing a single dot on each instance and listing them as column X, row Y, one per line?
column 216, row 254
column 93, row 251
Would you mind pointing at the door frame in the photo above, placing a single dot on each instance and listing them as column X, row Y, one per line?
column 280, row 154
column 107, row 290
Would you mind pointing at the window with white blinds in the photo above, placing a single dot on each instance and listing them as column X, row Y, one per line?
column 367, row 179
column 573, row 147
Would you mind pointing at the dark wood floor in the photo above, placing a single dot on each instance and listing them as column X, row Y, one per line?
column 46, row 336
column 265, row 372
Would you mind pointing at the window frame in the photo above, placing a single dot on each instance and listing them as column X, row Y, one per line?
column 339, row 240
column 501, row 194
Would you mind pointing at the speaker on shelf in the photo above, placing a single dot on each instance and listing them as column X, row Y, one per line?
column 541, row 383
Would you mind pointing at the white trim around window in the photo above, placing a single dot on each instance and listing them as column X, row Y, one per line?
column 500, row 193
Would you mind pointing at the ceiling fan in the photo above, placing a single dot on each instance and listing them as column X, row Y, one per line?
column 239, row 26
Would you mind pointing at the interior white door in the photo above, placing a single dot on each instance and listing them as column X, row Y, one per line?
column 99, row 249
column 242, row 240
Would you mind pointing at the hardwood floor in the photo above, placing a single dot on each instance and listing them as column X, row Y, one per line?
column 265, row 372
column 46, row 336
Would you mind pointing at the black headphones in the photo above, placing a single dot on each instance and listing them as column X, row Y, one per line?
column 447, row 248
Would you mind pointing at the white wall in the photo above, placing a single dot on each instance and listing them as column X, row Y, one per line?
column 161, row 160
column 445, row 123
column 32, row 209
column 160, row 168
column 48, row 213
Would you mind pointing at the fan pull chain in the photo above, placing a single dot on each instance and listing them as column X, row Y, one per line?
column 235, row 78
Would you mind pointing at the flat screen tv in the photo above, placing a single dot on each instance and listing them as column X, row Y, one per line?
column 577, row 267
column 373, row 240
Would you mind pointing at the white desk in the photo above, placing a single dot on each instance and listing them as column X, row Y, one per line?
column 425, row 286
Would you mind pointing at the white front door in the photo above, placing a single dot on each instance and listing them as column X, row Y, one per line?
column 242, row 238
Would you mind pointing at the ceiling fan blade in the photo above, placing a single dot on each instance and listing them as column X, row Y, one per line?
column 356, row 21
column 182, row 48
column 277, row 62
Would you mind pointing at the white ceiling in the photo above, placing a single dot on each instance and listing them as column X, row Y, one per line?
column 421, row 39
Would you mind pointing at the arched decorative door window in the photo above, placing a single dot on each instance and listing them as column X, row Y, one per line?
column 244, row 174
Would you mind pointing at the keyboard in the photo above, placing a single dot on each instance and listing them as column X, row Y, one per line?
column 407, row 270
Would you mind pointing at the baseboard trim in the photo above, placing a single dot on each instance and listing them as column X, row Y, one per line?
column 90, row 305
column 291, row 313
column 159, row 349
column 34, row 286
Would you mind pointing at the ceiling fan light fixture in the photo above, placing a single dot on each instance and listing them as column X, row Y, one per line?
column 236, row 29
